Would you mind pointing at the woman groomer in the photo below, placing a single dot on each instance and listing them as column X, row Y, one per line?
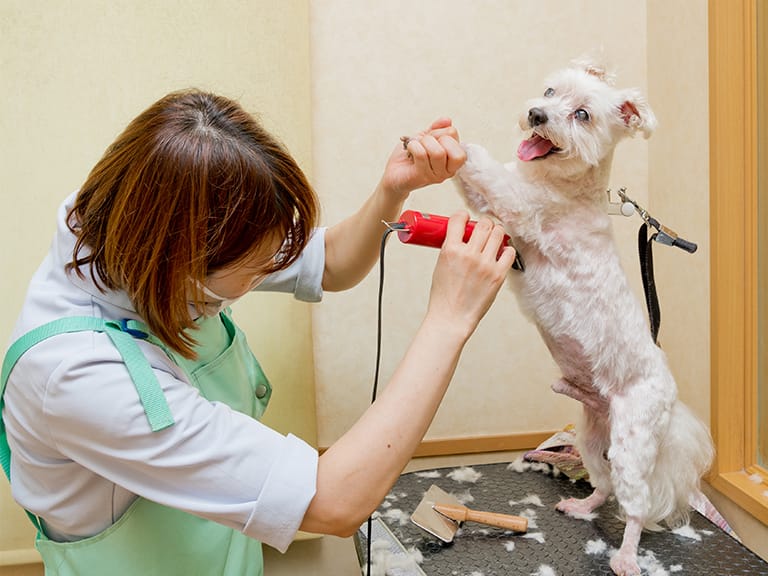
column 131, row 400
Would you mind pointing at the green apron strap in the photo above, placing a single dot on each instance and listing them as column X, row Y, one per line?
column 151, row 395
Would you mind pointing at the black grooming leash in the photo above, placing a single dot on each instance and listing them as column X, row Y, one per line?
column 662, row 235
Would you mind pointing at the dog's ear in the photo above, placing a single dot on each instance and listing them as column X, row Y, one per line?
column 636, row 114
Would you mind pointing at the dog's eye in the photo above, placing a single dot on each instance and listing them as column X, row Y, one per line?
column 549, row 92
column 581, row 115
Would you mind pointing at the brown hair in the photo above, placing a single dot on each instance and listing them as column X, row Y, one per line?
column 192, row 185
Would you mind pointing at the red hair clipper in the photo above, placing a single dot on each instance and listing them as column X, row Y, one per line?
column 424, row 229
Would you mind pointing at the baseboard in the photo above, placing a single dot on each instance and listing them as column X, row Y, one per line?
column 478, row 444
column 481, row 444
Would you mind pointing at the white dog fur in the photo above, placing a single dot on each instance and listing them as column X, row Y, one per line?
column 637, row 441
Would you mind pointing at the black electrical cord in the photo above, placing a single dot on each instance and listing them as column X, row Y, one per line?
column 390, row 228
column 384, row 238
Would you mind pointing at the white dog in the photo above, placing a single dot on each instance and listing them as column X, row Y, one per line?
column 637, row 440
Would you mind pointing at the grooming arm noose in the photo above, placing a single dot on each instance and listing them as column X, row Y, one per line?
column 663, row 235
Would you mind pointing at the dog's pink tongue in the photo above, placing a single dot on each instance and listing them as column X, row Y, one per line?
column 534, row 147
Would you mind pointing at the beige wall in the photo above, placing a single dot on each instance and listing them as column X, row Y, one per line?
column 74, row 73
column 679, row 186
column 383, row 69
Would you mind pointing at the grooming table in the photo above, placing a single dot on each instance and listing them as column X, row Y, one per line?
column 555, row 543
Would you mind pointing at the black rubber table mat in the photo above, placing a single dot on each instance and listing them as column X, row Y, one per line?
column 555, row 544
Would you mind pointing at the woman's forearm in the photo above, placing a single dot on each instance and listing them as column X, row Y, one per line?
column 356, row 473
column 352, row 246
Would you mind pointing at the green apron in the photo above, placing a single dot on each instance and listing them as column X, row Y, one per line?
column 150, row 539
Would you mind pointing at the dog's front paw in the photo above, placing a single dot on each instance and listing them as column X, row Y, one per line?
column 478, row 158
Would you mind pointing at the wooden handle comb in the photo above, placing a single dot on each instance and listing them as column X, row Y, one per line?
column 463, row 514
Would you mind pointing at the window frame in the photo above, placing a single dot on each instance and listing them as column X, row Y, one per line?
column 733, row 222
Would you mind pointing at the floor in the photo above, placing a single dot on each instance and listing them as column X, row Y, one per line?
column 329, row 555
column 554, row 544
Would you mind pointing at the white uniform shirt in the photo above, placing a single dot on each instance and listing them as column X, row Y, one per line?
column 82, row 449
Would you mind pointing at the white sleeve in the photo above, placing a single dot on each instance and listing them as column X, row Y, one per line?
column 214, row 462
column 303, row 278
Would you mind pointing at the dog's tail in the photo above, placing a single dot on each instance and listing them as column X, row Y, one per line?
column 685, row 456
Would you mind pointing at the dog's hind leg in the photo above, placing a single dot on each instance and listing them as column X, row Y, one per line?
column 577, row 507
column 593, row 445
column 639, row 423
column 624, row 562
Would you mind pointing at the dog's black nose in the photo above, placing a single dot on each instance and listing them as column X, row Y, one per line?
column 536, row 117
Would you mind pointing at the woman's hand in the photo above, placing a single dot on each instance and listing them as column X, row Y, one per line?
column 352, row 245
column 429, row 157
column 468, row 276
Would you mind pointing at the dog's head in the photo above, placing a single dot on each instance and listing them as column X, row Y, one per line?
column 580, row 118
